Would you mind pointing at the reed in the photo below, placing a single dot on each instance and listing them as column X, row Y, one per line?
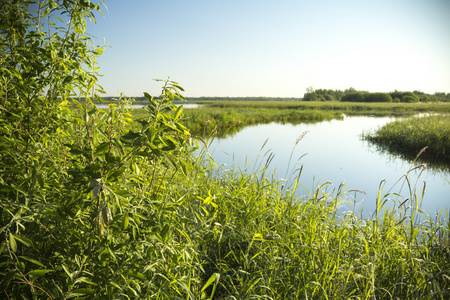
column 265, row 242
column 409, row 136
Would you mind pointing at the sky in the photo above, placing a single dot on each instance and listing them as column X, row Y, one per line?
column 240, row 48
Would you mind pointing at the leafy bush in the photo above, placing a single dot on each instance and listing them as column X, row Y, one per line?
column 353, row 97
column 377, row 97
column 410, row 99
column 80, row 212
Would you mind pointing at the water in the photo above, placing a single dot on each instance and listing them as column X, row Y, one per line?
column 333, row 151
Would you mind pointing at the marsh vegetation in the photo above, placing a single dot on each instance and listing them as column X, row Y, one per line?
column 409, row 136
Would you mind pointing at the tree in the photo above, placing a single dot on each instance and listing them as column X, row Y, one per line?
column 353, row 97
column 377, row 97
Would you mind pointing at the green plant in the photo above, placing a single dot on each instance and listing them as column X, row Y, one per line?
column 409, row 136
column 86, row 205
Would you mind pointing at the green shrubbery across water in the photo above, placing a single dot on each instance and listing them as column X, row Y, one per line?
column 409, row 136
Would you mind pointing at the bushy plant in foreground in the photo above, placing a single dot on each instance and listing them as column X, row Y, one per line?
column 85, row 208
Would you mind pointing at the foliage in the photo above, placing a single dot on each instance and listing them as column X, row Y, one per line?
column 81, row 213
column 323, row 95
column 265, row 242
column 226, row 117
column 353, row 97
column 205, row 120
column 409, row 136
column 409, row 97
column 377, row 97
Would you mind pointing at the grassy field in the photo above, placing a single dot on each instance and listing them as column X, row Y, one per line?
column 347, row 107
column 409, row 136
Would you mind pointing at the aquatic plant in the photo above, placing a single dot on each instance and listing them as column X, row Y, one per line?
column 409, row 136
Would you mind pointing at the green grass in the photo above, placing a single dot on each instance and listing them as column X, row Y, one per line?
column 409, row 136
column 264, row 242
column 346, row 107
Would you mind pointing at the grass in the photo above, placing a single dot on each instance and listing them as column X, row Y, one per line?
column 265, row 243
column 409, row 136
column 344, row 107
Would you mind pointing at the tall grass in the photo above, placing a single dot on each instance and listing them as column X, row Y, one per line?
column 409, row 136
column 265, row 243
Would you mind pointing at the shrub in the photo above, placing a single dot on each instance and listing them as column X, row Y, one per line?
column 353, row 97
column 410, row 99
column 377, row 97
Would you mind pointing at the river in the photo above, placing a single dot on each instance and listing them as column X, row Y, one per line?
column 333, row 151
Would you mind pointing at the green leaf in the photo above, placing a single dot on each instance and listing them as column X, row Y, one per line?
column 27, row 242
column 40, row 272
column 147, row 95
column 102, row 148
column 85, row 280
column 80, row 292
column 98, row 51
column 21, row 266
column 214, row 278
column 164, row 232
column 32, row 260
column 12, row 242
column 126, row 220
column 136, row 275
column 178, row 112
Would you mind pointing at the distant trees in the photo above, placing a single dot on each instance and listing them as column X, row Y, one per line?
column 353, row 95
column 322, row 95
column 409, row 97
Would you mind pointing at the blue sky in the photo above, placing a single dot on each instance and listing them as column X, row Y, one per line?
column 274, row 48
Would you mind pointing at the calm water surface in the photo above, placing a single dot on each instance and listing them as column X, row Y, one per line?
column 333, row 151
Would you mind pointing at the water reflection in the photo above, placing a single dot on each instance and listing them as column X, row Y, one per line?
column 334, row 151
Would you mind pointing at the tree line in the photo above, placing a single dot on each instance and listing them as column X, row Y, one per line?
column 348, row 95
column 353, row 95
